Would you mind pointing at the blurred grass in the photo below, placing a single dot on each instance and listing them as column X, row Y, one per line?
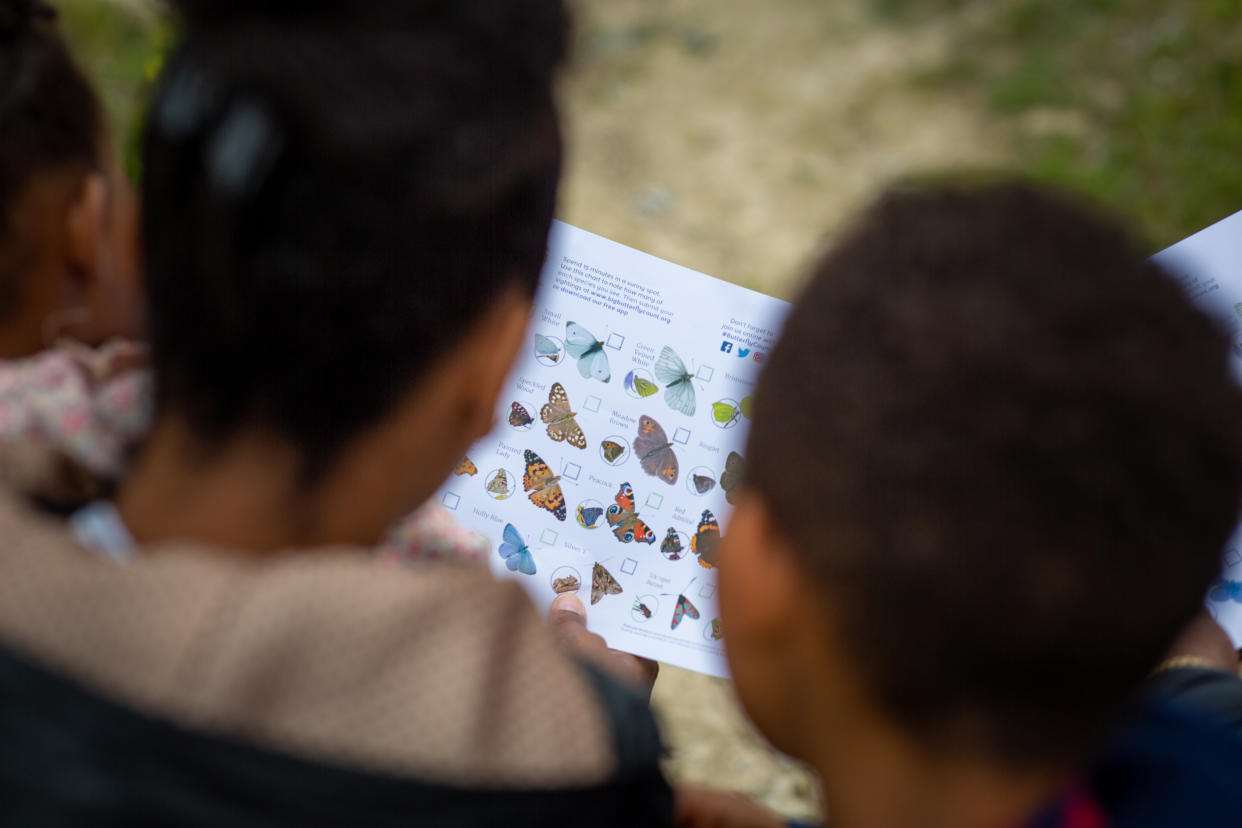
column 1137, row 103
column 121, row 46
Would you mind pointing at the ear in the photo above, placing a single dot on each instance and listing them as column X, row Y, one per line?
column 489, row 351
column 86, row 231
column 762, row 583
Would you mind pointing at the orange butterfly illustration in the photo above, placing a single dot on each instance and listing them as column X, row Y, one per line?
column 544, row 487
column 706, row 539
column 624, row 520
column 467, row 467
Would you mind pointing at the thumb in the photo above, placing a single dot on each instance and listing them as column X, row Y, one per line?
column 567, row 611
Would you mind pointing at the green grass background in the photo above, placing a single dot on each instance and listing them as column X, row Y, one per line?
column 1137, row 103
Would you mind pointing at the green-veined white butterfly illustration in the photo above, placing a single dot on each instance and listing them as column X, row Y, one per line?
column 640, row 386
column 678, row 382
column 589, row 351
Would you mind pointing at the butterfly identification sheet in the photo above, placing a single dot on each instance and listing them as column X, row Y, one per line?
column 619, row 444
column 1209, row 267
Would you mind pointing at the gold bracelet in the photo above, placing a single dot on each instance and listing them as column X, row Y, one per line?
column 1178, row 662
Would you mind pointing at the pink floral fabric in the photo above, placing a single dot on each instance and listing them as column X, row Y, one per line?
column 94, row 406
column 91, row 405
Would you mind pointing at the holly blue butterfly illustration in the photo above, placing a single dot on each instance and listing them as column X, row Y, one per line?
column 515, row 552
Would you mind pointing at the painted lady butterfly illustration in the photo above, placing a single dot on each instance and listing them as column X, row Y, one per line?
column 544, row 487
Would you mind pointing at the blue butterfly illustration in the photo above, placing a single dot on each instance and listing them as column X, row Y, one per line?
column 516, row 553
column 1224, row 590
column 678, row 382
column 589, row 351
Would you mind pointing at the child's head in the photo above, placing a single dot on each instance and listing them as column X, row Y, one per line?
column 67, row 217
column 346, row 213
column 995, row 457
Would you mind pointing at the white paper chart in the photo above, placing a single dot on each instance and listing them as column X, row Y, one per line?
column 1209, row 267
column 621, row 436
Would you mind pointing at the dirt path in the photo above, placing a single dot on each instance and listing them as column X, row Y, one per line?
column 733, row 138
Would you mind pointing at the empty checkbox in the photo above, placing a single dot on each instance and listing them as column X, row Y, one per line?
column 616, row 341
column 655, row 500
column 705, row 373
column 451, row 501
column 707, row 590
column 629, row 565
column 548, row 537
column 1233, row 557
column 592, row 404
column 572, row 471
column 681, row 436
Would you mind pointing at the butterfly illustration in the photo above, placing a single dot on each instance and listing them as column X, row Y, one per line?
column 642, row 609
column 725, row 415
column 589, row 351
column 1226, row 590
column 569, row 583
column 519, row 417
column 547, row 349
column 731, row 478
column 624, row 520
column 545, row 490
column 702, row 483
column 560, row 419
column 717, row 634
column 499, row 485
column 745, row 407
column 705, row 539
column 467, row 467
column 602, row 583
column 612, row 450
column 655, row 452
column 684, row 608
column 678, row 382
column 515, row 552
column 588, row 516
column 671, row 546
column 640, row 386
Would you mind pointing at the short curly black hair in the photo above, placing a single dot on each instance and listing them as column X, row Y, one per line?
column 1011, row 452
column 333, row 193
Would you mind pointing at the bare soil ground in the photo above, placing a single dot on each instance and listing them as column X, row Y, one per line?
column 737, row 138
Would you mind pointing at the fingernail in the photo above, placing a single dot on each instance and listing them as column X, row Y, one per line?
column 568, row 602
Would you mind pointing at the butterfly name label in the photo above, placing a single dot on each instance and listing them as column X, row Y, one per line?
column 505, row 450
column 621, row 419
column 607, row 484
column 530, row 386
column 486, row 515
column 710, row 449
